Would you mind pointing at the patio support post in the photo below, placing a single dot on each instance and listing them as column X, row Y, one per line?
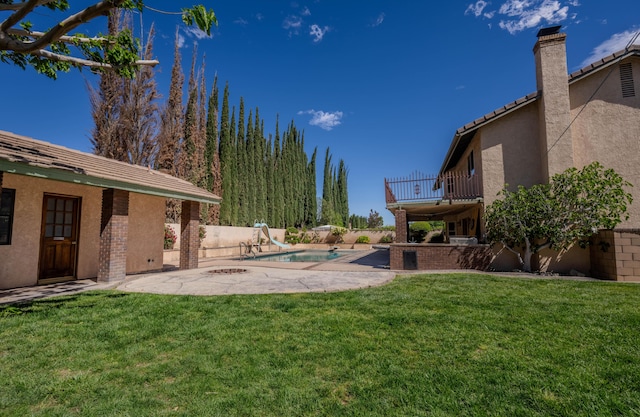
column 189, row 234
column 114, row 231
column 401, row 226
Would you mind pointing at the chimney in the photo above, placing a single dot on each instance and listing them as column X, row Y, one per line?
column 556, row 145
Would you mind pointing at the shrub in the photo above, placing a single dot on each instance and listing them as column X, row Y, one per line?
column 418, row 231
column 386, row 239
column 291, row 236
column 363, row 239
column 202, row 233
column 338, row 232
column 170, row 237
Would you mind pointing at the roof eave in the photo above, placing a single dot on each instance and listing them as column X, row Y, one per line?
column 484, row 120
column 83, row 179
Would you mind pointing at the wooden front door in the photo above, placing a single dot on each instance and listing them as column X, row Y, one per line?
column 59, row 237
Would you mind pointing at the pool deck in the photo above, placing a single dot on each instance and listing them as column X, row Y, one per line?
column 220, row 276
column 352, row 270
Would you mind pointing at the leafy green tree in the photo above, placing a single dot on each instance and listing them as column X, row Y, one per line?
column 568, row 210
column 60, row 48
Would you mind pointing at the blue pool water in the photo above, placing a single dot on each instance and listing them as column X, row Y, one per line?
column 304, row 256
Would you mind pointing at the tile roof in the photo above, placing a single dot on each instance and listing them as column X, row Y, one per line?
column 26, row 156
column 462, row 135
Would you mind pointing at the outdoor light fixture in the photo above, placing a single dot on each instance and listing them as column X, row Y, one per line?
column 416, row 188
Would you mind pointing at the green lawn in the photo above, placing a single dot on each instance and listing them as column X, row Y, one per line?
column 436, row 345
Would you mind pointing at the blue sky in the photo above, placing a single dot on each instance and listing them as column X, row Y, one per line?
column 383, row 84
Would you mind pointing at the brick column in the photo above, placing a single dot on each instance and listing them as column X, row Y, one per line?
column 401, row 226
column 114, row 230
column 1, row 172
column 189, row 234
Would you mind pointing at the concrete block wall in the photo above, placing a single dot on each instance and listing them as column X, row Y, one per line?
column 615, row 255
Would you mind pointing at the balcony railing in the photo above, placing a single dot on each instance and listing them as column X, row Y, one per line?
column 420, row 187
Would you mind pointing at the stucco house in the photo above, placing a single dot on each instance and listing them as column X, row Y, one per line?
column 570, row 121
column 67, row 215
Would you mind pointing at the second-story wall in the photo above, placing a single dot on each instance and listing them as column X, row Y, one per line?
column 510, row 152
column 607, row 127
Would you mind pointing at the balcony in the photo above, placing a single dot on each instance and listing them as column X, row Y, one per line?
column 422, row 188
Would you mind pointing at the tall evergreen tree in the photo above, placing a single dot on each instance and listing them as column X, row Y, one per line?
column 235, row 195
column 105, row 106
column 188, row 168
column 243, row 197
column 327, row 191
column 228, row 159
column 171, row 119
column 310, row 192
column 125, row 110
column 212, row 154
column 343, row 196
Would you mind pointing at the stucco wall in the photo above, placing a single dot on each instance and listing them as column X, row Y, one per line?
column 510, row 152
column 146, row 233
column 607, row 130
column 19, row 261
column 230, row 236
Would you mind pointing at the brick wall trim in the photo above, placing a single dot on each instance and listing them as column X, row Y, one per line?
column 114, row 230
column 189, row 234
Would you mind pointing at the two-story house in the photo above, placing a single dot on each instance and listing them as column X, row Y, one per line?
column 570, row 121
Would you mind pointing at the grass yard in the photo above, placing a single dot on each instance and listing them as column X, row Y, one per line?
column 436, row 345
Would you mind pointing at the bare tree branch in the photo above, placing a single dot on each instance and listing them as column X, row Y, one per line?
column 67, row 25
column 18, row 6
column 65, row 39
column 18, row 15
column 85, row 62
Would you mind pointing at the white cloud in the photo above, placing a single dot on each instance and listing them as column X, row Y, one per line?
column 241, row 21
column 518, row 15
column 180, row 41
column 317, row 32
column 615, row 43
column 476, row 8
column 196, row 32
column 324, row 120
column 379, row 20
column 306, row 12
column 292, row 22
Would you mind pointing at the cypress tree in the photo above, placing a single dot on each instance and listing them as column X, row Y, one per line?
column 227, row 161
column 243, row 198
column 327, row 191
column 311, row 207
column 235, row 195
column 343, row 196
column 188, row 168
column 212, row 155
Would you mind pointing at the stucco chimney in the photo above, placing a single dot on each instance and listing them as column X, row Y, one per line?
column 556, row 144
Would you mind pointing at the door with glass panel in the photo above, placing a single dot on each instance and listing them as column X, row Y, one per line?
column 59, row 237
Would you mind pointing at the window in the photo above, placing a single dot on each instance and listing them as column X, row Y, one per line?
column 471, row 168
column 451, row 226
column 626, row 80
column 6, row 215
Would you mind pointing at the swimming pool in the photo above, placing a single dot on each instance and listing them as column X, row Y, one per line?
column 303, row 256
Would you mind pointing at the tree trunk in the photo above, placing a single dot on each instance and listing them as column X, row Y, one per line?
column 526, row 260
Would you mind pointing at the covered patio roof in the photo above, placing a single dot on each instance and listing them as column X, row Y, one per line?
column 26, row 156
column 433, row 210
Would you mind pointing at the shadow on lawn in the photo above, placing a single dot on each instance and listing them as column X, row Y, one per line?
column 57, row 300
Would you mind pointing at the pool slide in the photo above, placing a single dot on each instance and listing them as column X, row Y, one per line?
column 267, row 232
